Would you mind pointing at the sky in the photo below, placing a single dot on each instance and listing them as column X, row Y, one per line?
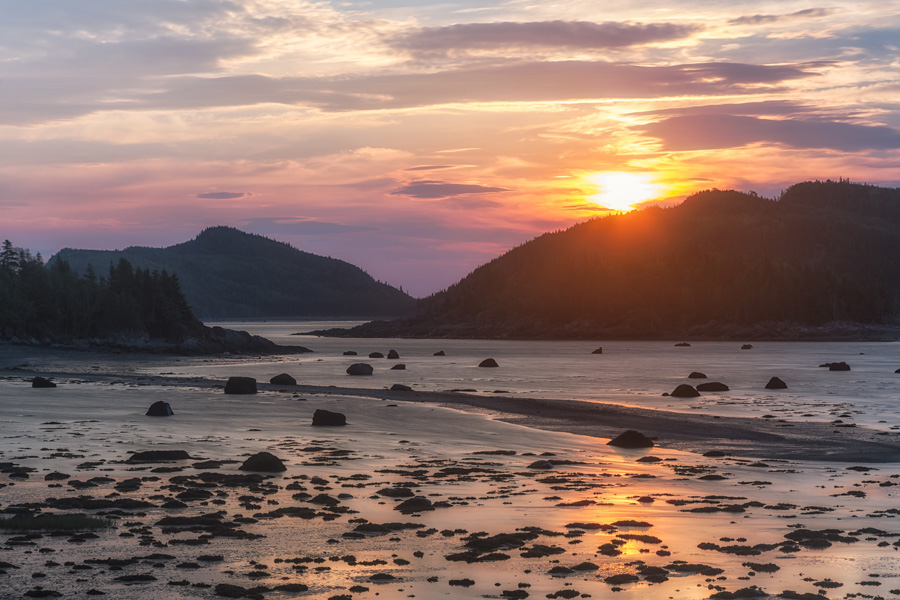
column 419, row 140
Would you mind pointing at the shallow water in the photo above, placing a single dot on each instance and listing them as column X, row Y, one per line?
column 87, row 429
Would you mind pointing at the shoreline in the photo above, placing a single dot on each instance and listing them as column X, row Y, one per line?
column 744, row 437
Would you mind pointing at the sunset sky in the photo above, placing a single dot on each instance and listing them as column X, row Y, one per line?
column 421, row 139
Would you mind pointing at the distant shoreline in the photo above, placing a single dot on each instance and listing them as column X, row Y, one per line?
column 767, row 439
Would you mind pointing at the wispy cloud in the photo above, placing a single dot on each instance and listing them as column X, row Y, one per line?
column 707, row 132
column 580, row 35
column 807, row 13
column 440, row 189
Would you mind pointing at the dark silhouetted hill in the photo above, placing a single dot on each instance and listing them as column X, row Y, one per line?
column 226, row 273
column 821, row 261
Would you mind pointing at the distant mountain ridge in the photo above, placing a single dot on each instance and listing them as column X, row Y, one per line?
column 227, row 273
column 821, row 261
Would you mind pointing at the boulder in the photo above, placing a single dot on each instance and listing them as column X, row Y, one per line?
column 283, row 379
column 897, row 371
column 398, row 367
column 631, row 439
column 488, row 362
column 327, row 418
column 439, row 353
column 393, row 355
column 240, row 385
column 682, row 345
column 542, row 465
column 265, row 462
column 776, row 384
column 712, row 386
column 685, row 391
column 159, row 409
column 399, row 387
column 360, row 369
column 839, row 366
column 40, row 382
column 598, row 351
column 697, row 375
column 154, row 456
column 350, row 353
column 414, row 504
column 396, row 492
column 376, row 355
column 747, row 347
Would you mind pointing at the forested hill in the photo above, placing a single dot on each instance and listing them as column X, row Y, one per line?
column 226, row 273
column 723, row 264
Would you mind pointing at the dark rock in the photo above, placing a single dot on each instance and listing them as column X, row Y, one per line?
column 631, row 439
column 327, row 418
column 398, row 367
column 40, row 382
column 159, row 409
column 682, row 345
column 712, row 386
column 414, row 504
column 488, row 362
column 360, row 369
column 697, row 375
column 396, row 492
column 747, row 347
column 839, row 366
column 56, row 476
column 685, row 391
column 439, row 353
column 541, row 464
column 376, row 355
column 283, row 379
column 776, row 384
column 265, row 462
column 598, row 351
column 350, row 353
column 240, row 385
column 155, row 456
column 714, row 454
column 393, row 355
column 399, row 387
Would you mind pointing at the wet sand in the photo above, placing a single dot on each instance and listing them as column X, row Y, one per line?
column 503, row 510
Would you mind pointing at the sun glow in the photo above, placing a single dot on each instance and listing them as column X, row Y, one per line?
column 622, row 191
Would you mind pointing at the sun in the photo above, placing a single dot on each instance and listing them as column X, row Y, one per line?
column 621, row 191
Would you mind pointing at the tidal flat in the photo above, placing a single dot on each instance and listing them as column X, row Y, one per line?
column 439, row 494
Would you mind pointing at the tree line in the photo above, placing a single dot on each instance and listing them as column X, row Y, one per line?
column 50, row 302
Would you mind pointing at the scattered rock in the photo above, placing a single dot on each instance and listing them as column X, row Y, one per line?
column 393, row 354
column 439, row 353
column 376, row 355
column 712, row 386
column 697, row 375
column 265, row 462
column 414, row 504
column 747, row 347
column 155, row 456
column 488, row 362
column 399, row 387
column 398, row 367
column 40, row 382
column 240, row 385
column 631, row 439
column 160, row 409
column 838, row 366
column 283, row 379
column 776, row 384
column 327, row 418
column 682, row 345
column 541, row 464
column 360, row 369
column 350, row 353
column 685, row 391
column 598, row 351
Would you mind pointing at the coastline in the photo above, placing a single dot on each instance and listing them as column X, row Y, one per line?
column 747, row 437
